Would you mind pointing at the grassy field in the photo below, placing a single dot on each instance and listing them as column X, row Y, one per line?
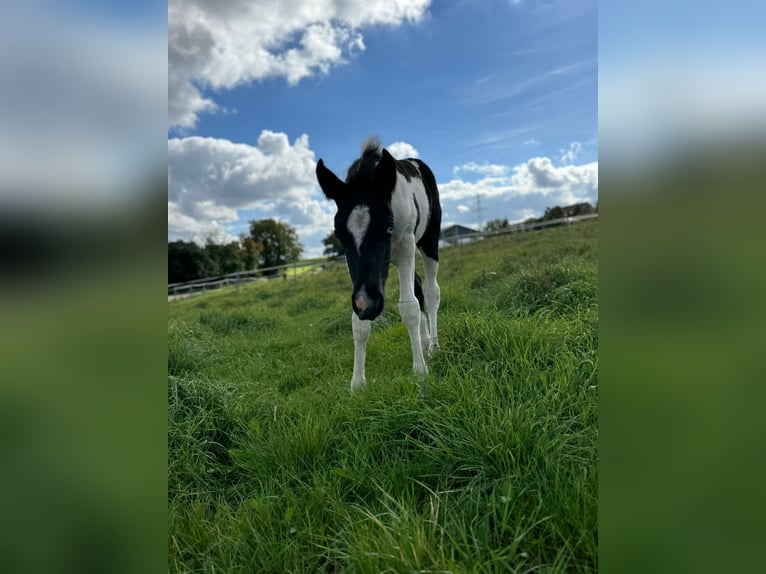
column 487, row 465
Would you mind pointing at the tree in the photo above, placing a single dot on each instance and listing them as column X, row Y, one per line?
column 279, row 240
column 332, row 246
column 229, row 257
column 187, row 261
column 496, row 225
column 251, row 251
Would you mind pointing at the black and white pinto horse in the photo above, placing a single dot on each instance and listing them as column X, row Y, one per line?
column 388, row 209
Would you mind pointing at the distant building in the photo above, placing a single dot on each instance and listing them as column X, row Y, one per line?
column 455, row 234
column 584, row 208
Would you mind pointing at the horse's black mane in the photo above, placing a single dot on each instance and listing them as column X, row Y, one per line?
column 362, row 170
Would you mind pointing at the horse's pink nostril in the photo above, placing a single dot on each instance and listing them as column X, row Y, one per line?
column 361, row 303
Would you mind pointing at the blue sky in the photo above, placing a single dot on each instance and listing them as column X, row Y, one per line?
column 500, row 98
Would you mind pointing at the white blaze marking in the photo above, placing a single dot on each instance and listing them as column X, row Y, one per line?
column 358, row 222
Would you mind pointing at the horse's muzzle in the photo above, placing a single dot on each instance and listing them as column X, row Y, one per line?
column 367, row 306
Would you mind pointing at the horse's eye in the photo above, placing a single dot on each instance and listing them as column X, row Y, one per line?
column 390, row 230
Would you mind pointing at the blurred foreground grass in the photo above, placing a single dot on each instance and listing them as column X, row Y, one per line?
column 82, row 418
column 682, row 284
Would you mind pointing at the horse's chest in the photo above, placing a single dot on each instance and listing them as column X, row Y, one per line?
column 410, row 210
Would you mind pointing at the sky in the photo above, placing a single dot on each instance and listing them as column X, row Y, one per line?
column 498, row 97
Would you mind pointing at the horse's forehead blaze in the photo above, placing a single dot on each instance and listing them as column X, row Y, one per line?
column 358, row 222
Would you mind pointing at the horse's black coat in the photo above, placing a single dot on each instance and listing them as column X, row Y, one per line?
column 408, row 170
column 429, row 243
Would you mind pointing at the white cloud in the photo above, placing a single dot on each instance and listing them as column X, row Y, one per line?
column 220, row 45
column 539, row 175
column 488, row 169
column 463, row 208
column 536, row 179
column 532, row 141
column 212, row 181
column 569, row 155
column 188, row 227
column 458, row 189
column 402, row 150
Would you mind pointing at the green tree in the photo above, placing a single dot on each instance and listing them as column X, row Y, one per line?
column 279, row 240
column 188, row 261
column 229, row 257
column 332, row 246
column 251, row 251
column 496, row 225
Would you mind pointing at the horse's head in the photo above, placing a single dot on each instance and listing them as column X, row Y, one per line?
column 364, row 224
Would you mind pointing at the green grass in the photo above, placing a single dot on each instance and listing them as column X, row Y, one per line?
column 489, row 464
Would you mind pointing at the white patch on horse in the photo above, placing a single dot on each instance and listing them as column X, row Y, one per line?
column 358, row 222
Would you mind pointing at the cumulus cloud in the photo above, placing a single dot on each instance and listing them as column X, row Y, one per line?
column 189, row 227
column 487, row 169
column 537, row 175
column 221, row 45
column 402, row 150
column 213, row 182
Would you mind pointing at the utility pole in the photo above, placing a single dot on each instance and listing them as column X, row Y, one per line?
column 478, row 210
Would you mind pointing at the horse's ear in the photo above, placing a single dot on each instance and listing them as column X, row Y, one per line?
column 330, row 183
column 385, row 176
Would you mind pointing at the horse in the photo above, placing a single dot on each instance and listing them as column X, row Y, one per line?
column 388, row 209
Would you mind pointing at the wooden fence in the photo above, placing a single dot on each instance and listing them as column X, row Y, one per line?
column 239, row 277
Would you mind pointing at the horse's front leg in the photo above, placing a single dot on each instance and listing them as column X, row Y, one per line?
column 361, row 330
column 409, row 308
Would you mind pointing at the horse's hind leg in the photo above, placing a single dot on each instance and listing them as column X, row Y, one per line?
column 424, row 337
column 433, row 298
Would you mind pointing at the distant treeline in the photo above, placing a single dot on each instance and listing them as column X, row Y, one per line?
column 551, row 213
column 269, row 243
